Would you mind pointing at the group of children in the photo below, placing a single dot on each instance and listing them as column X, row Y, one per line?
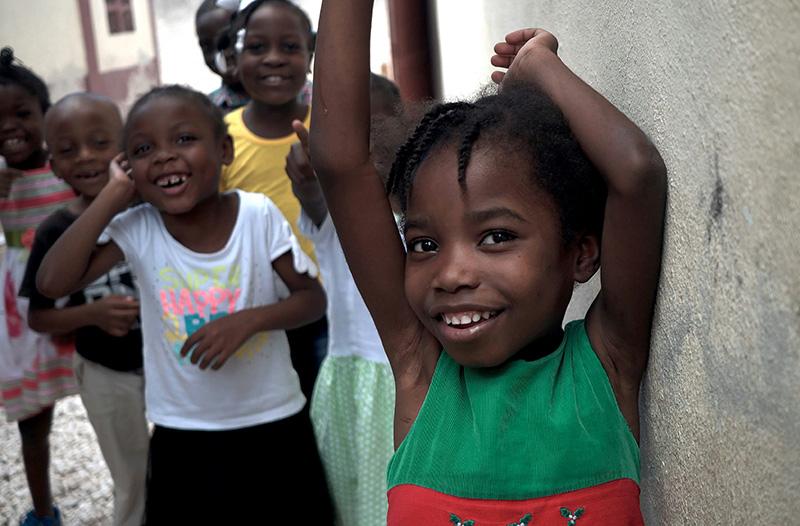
column 195, row 237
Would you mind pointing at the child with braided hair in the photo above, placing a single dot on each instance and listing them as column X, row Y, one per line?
column 35, row 369
column 503, row 415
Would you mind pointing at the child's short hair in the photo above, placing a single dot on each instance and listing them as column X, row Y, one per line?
column 244, row 17
column 520, row 120
column 16, row 74
column 212, row 112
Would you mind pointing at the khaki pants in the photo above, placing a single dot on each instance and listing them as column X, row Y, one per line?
column 114, row 401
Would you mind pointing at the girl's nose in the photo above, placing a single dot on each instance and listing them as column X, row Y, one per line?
column 163, row 155
column 458, row 270
column 274, row 56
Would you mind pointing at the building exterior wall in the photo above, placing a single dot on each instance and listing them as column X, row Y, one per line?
column 46, row 36
column 716, row 85
column 69, row 45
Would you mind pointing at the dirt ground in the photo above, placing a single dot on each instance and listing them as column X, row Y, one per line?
column 80, row 481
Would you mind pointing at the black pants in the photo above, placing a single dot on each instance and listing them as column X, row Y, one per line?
column 308, row 345
column 267, row 474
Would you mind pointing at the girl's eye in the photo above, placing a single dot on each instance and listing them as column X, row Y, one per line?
column 291, row 48
column 495, row 238
column 255, row 48
column 185, row 139
column 64, row 151
column 141, row 150
column 24, row 114
column 423, row 245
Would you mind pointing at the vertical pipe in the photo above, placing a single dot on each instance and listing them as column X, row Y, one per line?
column 412, row 27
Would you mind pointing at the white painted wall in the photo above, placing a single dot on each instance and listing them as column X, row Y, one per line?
column 716, row 85
column 127, row 49
column 61, row 63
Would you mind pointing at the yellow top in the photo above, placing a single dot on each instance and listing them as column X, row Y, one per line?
column 259, row 166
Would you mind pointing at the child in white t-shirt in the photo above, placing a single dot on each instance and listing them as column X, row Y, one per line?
column 231, row 435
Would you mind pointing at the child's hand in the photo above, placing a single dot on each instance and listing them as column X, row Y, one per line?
column 298, row 166
column 115, row 314
column 305, row 185
column 7, row 177
column 510, row 54
column 120, row 181
column 216, row 341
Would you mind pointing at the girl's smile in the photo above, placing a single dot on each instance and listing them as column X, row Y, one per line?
column 175, row 154
column 276, row 56
column 20, row 127
column 486, row 271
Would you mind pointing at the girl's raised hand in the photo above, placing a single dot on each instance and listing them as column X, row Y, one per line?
column 304, row 181
column 516, row 46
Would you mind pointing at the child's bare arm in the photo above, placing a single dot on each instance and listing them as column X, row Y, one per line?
column 215, row 342
column 74, row 261
column 113, row 314
column 620, row 319
column 340, row 125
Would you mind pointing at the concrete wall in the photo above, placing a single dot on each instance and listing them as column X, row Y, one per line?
column 25, row 26
column 716, row 85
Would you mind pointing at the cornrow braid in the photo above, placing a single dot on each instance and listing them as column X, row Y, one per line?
column 416, row 148
column 519, row 123
column 473, row 130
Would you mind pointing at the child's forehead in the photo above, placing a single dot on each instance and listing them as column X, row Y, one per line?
column 81, row 112
column 272, row 14
column 14, row 95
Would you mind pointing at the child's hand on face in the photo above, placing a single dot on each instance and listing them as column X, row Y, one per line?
column 7, row 177
column 115, row 314
column 216, row 341
column 511, row 53
column 298, row 167
column 120, row 181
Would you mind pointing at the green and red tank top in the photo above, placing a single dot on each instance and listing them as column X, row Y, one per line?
column 526, row 443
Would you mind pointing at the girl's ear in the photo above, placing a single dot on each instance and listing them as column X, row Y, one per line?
column 227, row 149
column 587, row 259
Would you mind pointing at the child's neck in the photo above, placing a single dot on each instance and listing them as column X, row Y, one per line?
column 273, row 121
column 541, row 347
column 35, row 161
column 207, row 227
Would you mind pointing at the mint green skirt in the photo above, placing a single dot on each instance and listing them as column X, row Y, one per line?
column 352, row 411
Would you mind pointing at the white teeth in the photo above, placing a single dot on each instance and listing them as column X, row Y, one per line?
column 170, row 180
column 464, row 319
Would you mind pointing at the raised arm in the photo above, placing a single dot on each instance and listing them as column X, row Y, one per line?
column 339, row 145
column 74, row 261
column 620, row 319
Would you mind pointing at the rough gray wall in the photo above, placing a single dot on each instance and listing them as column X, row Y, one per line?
column 716, row 85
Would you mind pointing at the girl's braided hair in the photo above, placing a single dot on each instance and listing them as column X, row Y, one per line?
column 14, row 73
column 523, row 123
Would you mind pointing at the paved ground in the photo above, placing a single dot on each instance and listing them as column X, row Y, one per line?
column 80, row 480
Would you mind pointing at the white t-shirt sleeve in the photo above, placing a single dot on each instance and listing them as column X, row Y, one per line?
column 281, row 239
column 124, row 232
column 323, row 233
